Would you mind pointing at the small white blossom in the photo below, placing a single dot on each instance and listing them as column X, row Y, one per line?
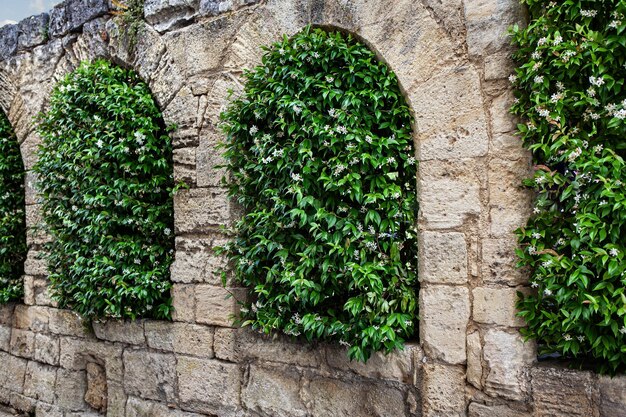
column 532, row 250
column 622, row 330
column 512, row 78
column 536, row 235
column 167, row 231
column 547, row 292
column 296, row 177
column 542, row 41
column 597, row 81
column 536, row 210
column 580, row 338
column 253, row 130
column 534, row 284
column 536, row 55
column 538, row 79
column 613, row 252
column 567, row 337
column 557, row 40
column 329, row 79
column 99, row 143
column 297, row 109
column 589, row 13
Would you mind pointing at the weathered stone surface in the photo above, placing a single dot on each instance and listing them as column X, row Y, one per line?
column 208, row 160
column 474, row 360
column 40, row 381
column 216, row 7
column 32, row 31
column 183, row 338
column 71, row 15
column 200, row 263
column 70, row 389
column 150, row 375
column 34, row 264
column 166, row 14
column 481, row 410
column 396, row 366
column 96, row 394
column 130, row 332
column 507, row 359
column 31, row 318
column 218, row 306
column 613, row 395
column 77, row 353
column 443, row 258
column 499, row 262
column 66, row 322
column 237, row 345
column 35, row 235
column 184, row 303
column 12, row 372
column 22, row 343
column 207, row 385
column 443, row 391
column 335, row 398
column 563, row 392
column 445, row 312
column 5, row 338
column 487, row 22
column 185, row 166
column 496, row 306
column 201, row 210
column 136, row 407
column 47, row 349
column 284, row 382
column 8, row 40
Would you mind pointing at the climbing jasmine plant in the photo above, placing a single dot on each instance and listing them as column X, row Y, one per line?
column 571, row 97
column 321, row 158
column 105, row 178
column 12, row 214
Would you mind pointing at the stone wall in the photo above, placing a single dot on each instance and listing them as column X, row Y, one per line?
column 451, row 57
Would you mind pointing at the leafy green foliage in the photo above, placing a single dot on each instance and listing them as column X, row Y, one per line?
column 321, row 158
column 106, row 179
column 571, row 95
column 12, row 214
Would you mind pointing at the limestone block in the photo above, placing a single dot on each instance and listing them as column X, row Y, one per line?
column 40, row 381
column 508, row 146
column 34, row 264
column 445, row 313
column 218, row 306
column 207, row 385
column 183, row 338
column 96, row 394
column 504, row 221
column 453, row 125
column 201, row 210
column 487, row 22
column 31, row 318
column 498, row 66
column 71, row 15
column 6, row 313
column 117, row 399
column 47, row 410
column 150, row 375
column 335, row 398
column 481, row 410
column 12, row 372
column 76, row 353
column 499, row 262
column 216, row 7
column 166, row 79
column 197, row 261
column 184, row 302
column 22, row 403
column 166, row 14
column 506, row 358
column 396, row 366
column 185, row 165
column 32, row 31
column 283, row 383
column 22, row 343
column 505, row 181
column 474, row 360
column 5, row 338
column 35, row 235
column 443, row 391
column 66, row 322
column 43, row 296
column 136, row 407
column 443, row 258
column 70, row 389
column 561, row 392
column 209, row 158
column 613, row 395
column 8, row 41
column 238, row 345
column 47, row 349
column 502, row 121
column 496, row 306
column 124, row 331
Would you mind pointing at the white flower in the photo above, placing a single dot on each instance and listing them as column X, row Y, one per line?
column 538, row 79
column 532, row 250
column 316, row 55
column 137, row 261
column 391, row 160
column 512, row 78
column 567, row 337
column 167, row 231
column 281, row 51
column 589, row 13
column 547, row 292
column 332, row 112
column 540, row 180
column 536, row 210
column 99, row 143
column 547, row 263
column 296, row 177
column 560, row 86
column 342, row 129
column 622, row 330
column 580, row 338
column 297, row 109
column 613, row 252
column 329, row 79
column 536, row 55
column 557, row 40
column 542, row 41
column 598, row 148
column 597, row 81
column 253, row 130
column 615, row 23
column 368, row 139
column 411, row 161
column 140, row 137
column 536, row 235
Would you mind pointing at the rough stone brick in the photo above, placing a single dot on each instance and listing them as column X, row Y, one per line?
column 137, row 407
column 34, row 265
column 445, row 314
column 613, row 395
column 208, row 158
column 201, row 210
column 208, row 385
column 150, row 375
column 47, row 349
column 70, row 389
column 197, row 260
column 66, row 322
column 443, row 390
column 76, row 353
column 499, row 262
column 8, row 41
column 474, row 362
column 183, row 338
column 40, row 381
column 562, row 392
column 502, row 121
column 283, row 382
column 32, row 31
column 238, row 345
column 336, row 398
column 443, row 258
column 497, row 306
column 22, row 343
column 5, row 338
column 96, row 394
column 487, row 23
column 71, row 15
column 32, row 318
column 218, row 306
column 124, row 331
column 166, row 14
column 481, row 410
column 12, row 372
column 184, row 302
column 506, row 357
column 185, row 166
